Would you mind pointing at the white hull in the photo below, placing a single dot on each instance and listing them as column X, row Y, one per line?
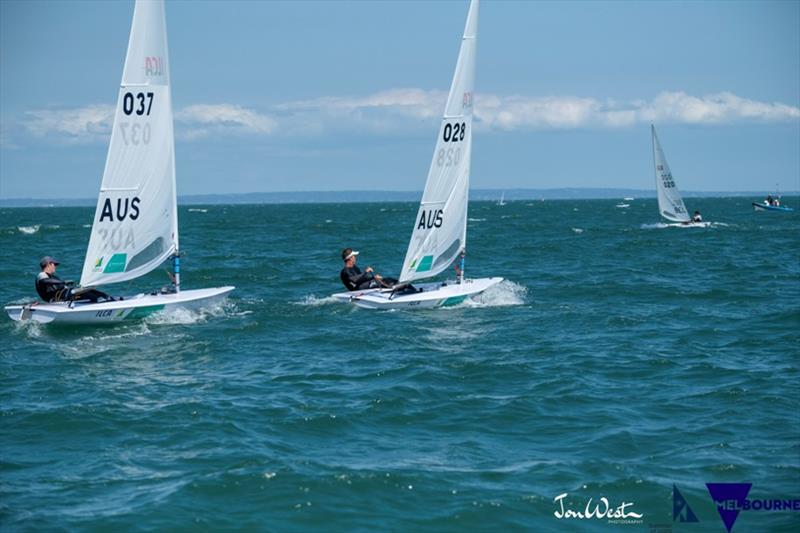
column 690, row 224
column 131, row 308
column 432, row 295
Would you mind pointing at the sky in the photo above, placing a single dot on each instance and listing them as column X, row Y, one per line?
column 307, row 95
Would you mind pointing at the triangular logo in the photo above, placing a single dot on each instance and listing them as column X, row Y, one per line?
column 729, row 499
column 680, row 507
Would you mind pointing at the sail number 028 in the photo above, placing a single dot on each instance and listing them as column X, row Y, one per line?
column 454, row 132
column 131, row 103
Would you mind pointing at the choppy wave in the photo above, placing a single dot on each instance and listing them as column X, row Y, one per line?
column 198, row 210
column 313, row 414
column 505, row 293
column 183, row 316
column 29, row 230
column 314, row 301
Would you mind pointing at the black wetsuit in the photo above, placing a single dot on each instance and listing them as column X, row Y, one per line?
column 51, row 288
column 355, row 280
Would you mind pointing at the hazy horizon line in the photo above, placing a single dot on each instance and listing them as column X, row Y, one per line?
column 361, row 196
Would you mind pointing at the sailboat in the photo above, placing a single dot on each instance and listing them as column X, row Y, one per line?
column 670, row 203
column 502, row 201
column 440, row 227
column 135, row 227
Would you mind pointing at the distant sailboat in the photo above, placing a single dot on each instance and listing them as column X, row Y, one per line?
column 670, row 203
column 135, row 226
column 440, row 227
column 502, row 199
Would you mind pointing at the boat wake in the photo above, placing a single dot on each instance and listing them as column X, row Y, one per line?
column 505, row 293
column 181, row 316
column 313, row 301
column 662, row 225
column 30, row 328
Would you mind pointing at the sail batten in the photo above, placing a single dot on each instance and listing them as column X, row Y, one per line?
column 670, row 203
column 135, row 227
column 439, row 234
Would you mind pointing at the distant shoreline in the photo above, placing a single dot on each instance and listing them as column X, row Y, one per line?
column 321, row 197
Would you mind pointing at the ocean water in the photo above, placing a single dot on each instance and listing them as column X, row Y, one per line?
column 621, row 357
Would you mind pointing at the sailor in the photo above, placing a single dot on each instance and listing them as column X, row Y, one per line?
column 769, row 200
column 356, row 280
column 51, row 288
column 697, row 217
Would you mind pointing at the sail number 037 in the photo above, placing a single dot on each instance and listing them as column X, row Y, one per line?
column 141, row 104
column 452, row 133
column 137, row 103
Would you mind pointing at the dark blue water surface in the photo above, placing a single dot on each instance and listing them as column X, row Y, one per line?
column 622, row 356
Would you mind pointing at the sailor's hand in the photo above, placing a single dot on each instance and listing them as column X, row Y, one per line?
column 369, row 269
column 378, row 277
column 69, row 283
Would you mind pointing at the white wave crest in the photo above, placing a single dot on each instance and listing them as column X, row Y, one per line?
column 315, row 301
column 31, row 328
column 476, row 219
column 103, row 341
column 503, row 294
column 198, row 210
column 577, row 230
column 183, row 316
column 29, row 230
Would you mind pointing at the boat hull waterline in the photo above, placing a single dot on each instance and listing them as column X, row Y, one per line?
column 116, row 311
column 439, row 294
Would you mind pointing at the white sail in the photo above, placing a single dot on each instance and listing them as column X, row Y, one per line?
column 136, row 221
column 670, row 203
column 440, row 228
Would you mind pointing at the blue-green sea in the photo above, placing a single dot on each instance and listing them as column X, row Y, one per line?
column 620, row 359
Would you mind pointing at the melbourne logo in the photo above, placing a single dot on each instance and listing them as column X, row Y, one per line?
column 680, row 507
column 600, row 510
column 731, row 499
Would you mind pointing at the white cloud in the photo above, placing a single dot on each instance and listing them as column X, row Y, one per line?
column 398, row 109
column 204, row 120
column 567, row 112
column 716, row 108
column 84, row 124
column 416, row 103
column 391, row 111
column 93, row 123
